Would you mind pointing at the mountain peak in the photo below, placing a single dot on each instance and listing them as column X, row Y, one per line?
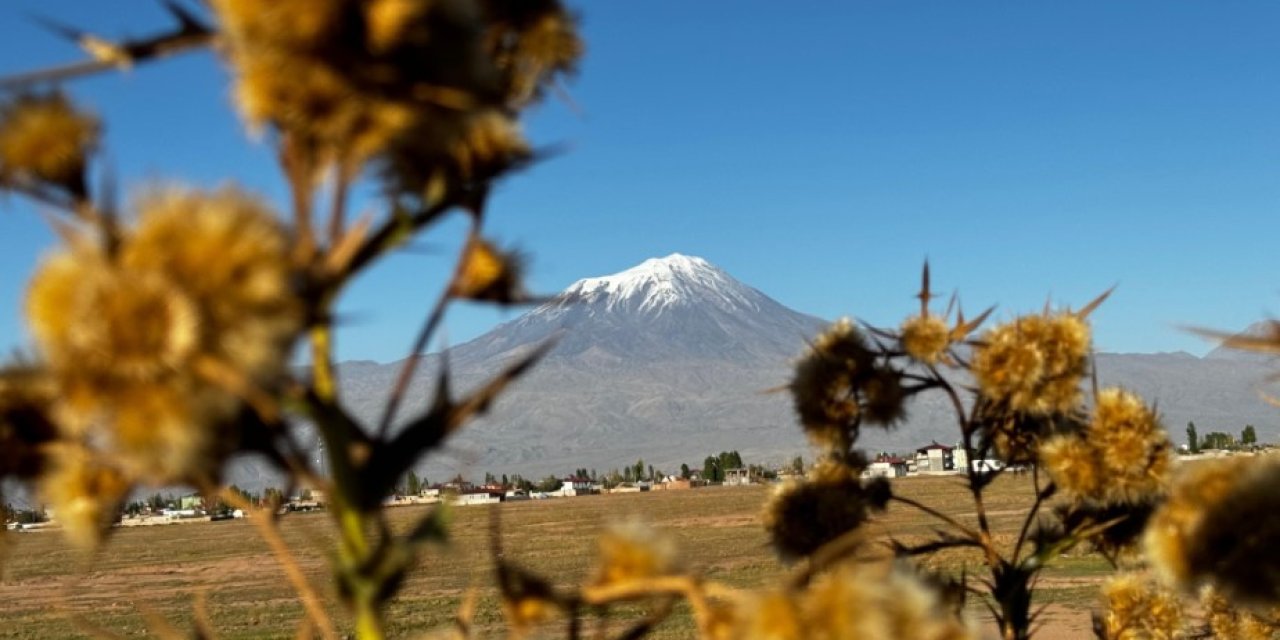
column 672, row 266
column 658, row 284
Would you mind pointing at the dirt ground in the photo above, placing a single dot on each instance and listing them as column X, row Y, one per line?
column 146, row 577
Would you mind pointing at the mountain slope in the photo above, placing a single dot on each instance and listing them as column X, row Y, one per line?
column 668, row 361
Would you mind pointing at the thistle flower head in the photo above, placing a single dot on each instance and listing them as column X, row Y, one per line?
column 925, row 338
column 633, row 551
column 1228, row 621
column 230, row 255
column 1136, row 607
column 1073, row 463
column 46, row 139
column 826, row 380
column 1218, row 527
column 883, row 398
column 158, row 344
column 488, row 273
column 803, row 515
column 1123, row 455
column 456, row 150
column 84, row 493
column 877, row 603
column 1134, row 449
column 1034, row 364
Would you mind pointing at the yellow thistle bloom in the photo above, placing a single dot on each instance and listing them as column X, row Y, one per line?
column 1034, row 364
column 84, row 494
column 1227, row 621
column 203, row 284
column 633, row 551
column 803, row 515
column 1073, row 465
column 177, row 429
column 925, row 338
column 231, row 257
column 865, row 602
column 488, row 273
column 45, row 138
column 1218, row 527
column 1123, row 455
column 1135, row 607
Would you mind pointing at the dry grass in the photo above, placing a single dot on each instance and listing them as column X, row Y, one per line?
column 159, row 569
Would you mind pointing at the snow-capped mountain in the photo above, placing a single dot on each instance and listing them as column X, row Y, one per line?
column 667, row 360
column 675, row 308
column 661, row 284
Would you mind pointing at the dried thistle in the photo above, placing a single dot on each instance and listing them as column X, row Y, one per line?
column 1136, row 607
column 84, row 493
column 1218, row 527
column 163, row 341
column 1034, row 364
column 876, row 603
column 803, row 515
column 633, row 551
column 1228, row 621
column 1123, row 455
column 826, row 383
column 925, row 338
column 229, row 253
column 490, row 274
column 43, row 138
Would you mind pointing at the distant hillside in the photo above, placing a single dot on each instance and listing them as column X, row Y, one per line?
column 669, row 361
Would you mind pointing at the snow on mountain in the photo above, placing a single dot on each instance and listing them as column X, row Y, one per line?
column 659, row 284
column 675, row 308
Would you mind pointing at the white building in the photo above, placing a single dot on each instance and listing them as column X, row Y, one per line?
column 935, row 458
column 575, row 486
column 886, row 467
column 478, row 497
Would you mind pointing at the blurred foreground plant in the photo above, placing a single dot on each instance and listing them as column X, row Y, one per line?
column 164, row 332
column 164, row 335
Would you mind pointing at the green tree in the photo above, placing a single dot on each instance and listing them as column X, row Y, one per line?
column 1218, row 440
column 684, row 471
column 1248, row 436
column 639, row 469
column 797, row 465
column 549, row 483
column 413, row 484
column 1193, row 441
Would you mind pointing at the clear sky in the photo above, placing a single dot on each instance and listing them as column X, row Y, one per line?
column 819, row 152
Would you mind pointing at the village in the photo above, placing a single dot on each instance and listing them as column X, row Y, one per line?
column 934, row 459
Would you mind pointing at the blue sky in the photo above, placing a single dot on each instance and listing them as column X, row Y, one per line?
column 820, row 153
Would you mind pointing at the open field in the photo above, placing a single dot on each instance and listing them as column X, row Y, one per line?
column 146, row 571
